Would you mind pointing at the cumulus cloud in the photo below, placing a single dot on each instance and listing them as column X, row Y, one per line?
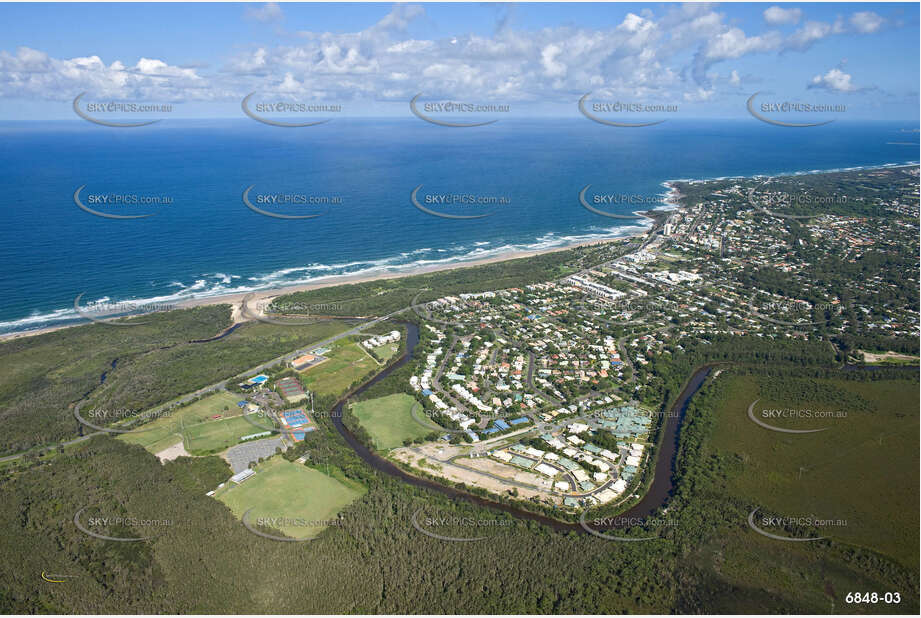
column 866, row 22
column 657, row 57
column 777, row 16
column 552, row 67
column 731, row 44
column 513, row 65
column 835, row 80
column 806, row 36
column 734, row 43
column 33, row 73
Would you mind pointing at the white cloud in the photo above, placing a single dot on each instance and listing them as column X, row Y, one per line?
column 634, row 23
column 687, row 30
column 730, row 44
column 662, row 58
column 251, row 62
column 734, row 43
column 32, row 73
column 806, row 36
column 835, row 80
column 777, row 16
column 290, row 85
column 866, row 22
column 411, row 46
column 400, row 17
column 515, row 65
column 266, row 12
column 552, row 68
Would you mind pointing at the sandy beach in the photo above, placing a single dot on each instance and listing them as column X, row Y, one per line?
column 256, row 299
column 261, row 297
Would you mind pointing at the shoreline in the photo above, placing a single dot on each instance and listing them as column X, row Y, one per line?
column 670, row 203
column 834, row 170
column 262, row 297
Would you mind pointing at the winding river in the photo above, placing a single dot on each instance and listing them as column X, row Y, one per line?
column 656, row 497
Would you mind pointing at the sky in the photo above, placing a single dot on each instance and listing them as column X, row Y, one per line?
column 370, row 59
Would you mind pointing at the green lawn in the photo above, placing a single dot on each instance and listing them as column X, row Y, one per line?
column 347, row 363
column 385, row 352
column 292, row 491
column 863, row 469
column 389, row 421
column 194, row 425
column 215, row 436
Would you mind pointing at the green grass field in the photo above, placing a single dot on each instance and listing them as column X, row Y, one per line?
column 347, row 363
column 862, row 470
column 283, row 489
column 385, row 352
column 214, row 436
column 193, row 424
column 388, row 420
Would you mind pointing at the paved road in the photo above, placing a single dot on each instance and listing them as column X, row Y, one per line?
column 276, row 361
column 450, row 462
column 285, row 358
column 569, row 476
column 436, row 380
column 223, row 383
column 52, row 446
column 553, row 401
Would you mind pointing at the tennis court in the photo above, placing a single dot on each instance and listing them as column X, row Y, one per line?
column 297, row 419
column 294, row 418
column 291, row 389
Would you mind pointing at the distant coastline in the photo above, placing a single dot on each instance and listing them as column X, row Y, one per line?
column 856, row 168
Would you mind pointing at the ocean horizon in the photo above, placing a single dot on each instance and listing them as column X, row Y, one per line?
column 202, row 240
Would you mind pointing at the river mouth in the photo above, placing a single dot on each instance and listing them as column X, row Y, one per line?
column 659, row 491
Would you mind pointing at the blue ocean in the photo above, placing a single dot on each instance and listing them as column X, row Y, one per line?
column 202, row 240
